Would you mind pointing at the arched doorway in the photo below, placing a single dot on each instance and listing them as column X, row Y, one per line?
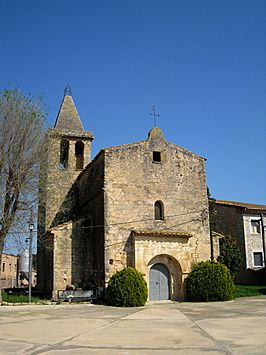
column 159, row 283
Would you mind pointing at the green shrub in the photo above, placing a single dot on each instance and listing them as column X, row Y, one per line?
column 210, row 281
column 127, row 288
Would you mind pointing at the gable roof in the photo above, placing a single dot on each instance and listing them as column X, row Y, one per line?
column 68, row 118
column 154, row 133
column 250, row 206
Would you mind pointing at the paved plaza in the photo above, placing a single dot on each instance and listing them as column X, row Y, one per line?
column 236, row 327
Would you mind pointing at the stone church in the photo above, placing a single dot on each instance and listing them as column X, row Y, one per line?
column 142, row 205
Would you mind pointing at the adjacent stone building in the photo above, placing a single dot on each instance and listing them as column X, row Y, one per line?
column 9, row 271
column 245, row 222
column 143, row 205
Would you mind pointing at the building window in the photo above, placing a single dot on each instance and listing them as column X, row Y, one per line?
column 79, row 154
column 64, row 152
column 156, row 156
column 255, row 226
column 258, row 260
column 158, row 210
column 3, row 267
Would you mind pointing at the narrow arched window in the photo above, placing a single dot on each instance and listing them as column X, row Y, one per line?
column 79, row 154
column 158, row 210
column 64, row 152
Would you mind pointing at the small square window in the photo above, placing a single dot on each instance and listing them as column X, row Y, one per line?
column 258, row 261
column 255, row 226
column 157, row 157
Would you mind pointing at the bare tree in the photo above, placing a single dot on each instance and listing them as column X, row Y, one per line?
column 22, row 133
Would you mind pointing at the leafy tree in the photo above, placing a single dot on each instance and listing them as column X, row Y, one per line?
column 209, row 281
column 22, row 127
column 230, row 254
column 127, row 288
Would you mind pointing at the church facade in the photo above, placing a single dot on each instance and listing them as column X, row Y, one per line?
column 142, row 205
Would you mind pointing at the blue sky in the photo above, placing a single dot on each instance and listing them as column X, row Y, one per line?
column 200, row 62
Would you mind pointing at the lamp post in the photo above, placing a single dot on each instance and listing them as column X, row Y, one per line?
column 31, row 227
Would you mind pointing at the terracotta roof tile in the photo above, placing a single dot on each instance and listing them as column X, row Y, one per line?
column 250, row 206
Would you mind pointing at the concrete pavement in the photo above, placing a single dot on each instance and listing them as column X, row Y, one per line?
column 237, row 327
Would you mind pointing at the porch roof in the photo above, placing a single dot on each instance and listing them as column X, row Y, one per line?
column 156, row 233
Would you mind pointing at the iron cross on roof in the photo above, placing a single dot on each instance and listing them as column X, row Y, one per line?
column 154, row 115
column 67, row 91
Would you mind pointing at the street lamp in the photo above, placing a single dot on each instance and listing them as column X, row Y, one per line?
column 31, row 228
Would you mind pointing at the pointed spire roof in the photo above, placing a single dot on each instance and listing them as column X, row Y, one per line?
column 68, row 118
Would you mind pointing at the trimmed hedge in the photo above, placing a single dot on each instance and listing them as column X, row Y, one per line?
column 127, row 288
column 210, row 281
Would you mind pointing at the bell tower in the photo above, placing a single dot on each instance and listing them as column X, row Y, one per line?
column 68, row 152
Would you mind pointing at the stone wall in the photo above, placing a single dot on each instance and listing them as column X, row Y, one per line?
column 91, row 210
column 61, row 263
column 229, row 221
column 9, row 270
column 134, row 182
